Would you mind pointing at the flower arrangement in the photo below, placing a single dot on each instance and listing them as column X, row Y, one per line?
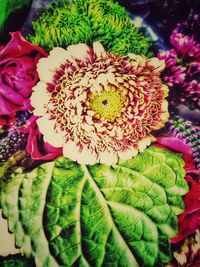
column 97, row 166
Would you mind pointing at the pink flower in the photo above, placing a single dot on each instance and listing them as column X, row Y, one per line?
column 36, row 147
column 18, row 73
column 185, row 46
column 99, row 107
column 183, row 68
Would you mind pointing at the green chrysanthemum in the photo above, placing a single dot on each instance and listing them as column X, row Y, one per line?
column 108, row 19
column 130, row 41
column 88, row 21
column 62, row 26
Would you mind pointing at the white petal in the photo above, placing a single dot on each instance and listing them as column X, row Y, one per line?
column 158, row 64
column 165, row 90
column 137, row 59
column 99, row 49
column 39, row 98
column 144, row 143
column 46, row 127
column 58, row 56
column 47, row 66
column 86, row 157
column 111, row 78
column 45, row 74
column 102, row 79
column 128, row 154
column 79, row 51
column 95, row 87
column 108, row 158
column 71, row 150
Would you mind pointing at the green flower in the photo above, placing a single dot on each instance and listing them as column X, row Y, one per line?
column 130, row 41
column 87, row 21
column 108, row 20
column 61, row 26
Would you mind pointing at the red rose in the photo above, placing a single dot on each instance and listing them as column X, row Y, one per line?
column 36, row 146
column 18, row 73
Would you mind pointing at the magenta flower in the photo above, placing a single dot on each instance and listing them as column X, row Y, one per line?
column 187, row 49
column 183, row 67
column 18, row 73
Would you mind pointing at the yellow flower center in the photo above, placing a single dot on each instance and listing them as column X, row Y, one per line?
column 108, row 105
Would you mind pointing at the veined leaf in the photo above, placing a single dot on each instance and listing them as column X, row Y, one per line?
column 66, row 214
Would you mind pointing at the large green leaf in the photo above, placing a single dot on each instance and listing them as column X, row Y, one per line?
column 66, row 214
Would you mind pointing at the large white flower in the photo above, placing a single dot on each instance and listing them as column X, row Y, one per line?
column 99, row 107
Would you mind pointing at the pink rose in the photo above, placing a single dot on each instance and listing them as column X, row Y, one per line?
column 18, row 73
column 36, row 146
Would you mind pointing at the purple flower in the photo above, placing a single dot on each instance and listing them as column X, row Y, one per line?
column 183, row 68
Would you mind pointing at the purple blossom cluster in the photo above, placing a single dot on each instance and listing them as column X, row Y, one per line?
column 14, row 140
column 183, row 68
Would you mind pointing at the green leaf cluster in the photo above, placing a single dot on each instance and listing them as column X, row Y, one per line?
column 66, row 214
column 87, row 21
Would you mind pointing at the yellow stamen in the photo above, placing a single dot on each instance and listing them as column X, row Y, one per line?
column 108, row 104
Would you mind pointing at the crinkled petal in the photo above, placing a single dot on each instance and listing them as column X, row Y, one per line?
column 72, row 151
column 47, row 66
column 99, row 50
column 46, row 127
column 159, row 65
column 79, row 51
column 108, row 158
column 39, row 98
column 128, row 154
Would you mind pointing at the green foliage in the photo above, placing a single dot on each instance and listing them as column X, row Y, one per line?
column 8, row 7
column 88, row 21
column 16, row 261
column 66, row 214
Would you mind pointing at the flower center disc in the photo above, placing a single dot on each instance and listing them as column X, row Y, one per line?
column 108, row 105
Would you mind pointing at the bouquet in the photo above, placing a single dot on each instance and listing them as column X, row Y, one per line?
column 99, row 137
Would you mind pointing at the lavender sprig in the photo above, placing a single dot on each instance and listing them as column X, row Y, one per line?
column 189, row 134
column 14, row 140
